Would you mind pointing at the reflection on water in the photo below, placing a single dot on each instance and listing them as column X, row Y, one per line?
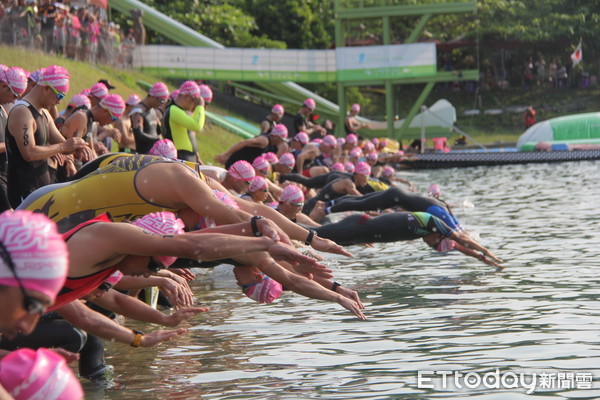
column 427, row 312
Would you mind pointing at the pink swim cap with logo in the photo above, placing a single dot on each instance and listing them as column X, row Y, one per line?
column 80, row 100
column 266, row 291
column 356, row 152
column 38, row 252
column 99, row 90
column 388, row 171
column 348, row 166
column 278, row 110
column 39, row 374
column 242, row 170
column 55, row 76
column 288, row 160
column 159, row 90
column 291, row 194
column 271, row 157
column 206, row 93
column 132, row 100
column 190, row 88
column 113, row 103
column 162, row 223
column 16, row 79
column 362, row 168
column 261, row 165
column 355, row 107
column 330, row 141
column 351, row 138
column 337, row 167
column 258, row 183
column 302, row 137
column 280, row 130
column 164, row 148
column 310, row 103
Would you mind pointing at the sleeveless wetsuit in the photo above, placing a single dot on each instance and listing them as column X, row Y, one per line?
column 109, row 188
column 23, row 177
column 249, row 153
column 395, row 197
column 179, row 127
column 360, row 228
column 271, row 125
column 145, row 139
column 77, row 287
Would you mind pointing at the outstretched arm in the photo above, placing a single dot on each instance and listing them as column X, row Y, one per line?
column 465, row 240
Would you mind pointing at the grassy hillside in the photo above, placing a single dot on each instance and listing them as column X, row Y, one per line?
column 212, row 140
column 485, row 128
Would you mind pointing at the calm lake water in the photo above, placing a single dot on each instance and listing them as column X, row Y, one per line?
column 427, row 312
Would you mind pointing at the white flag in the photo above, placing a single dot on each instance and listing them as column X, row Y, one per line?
column 577, row 55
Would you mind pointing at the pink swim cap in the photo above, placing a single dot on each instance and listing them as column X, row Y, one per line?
column 258, row 183
column 114, row 104
column 280, row 130
column 206, row 93
column 242, row 170
column 3, row 67
column 159, row 90
column 261, row 165
column 80, row 100
column 266, row 291
column 369, row 146
column 161, row 223
column 362, row 168
column 38, row 252
column 99, row 90
column 302, row 137
column 348, row 166
column 356, row 152
column 114, row 278
column 37, row 75
column 190, row 88
column 373, row 156
column 341, row 141
column 375, row 141
column 355, row 107
column 291, row 194
column 351, row 138
column 39, row 374
column 55, row 76
column 288, row 160
column 164, row 148
column 132, row 100
column 310, row 103
column 388, row 171
column 445, row 245
column 86, row 92
column 434, row 190
column 16, row 79
column 271, row 157
column 330, row 140
column 174, row 94
column 278, row 110
column 338, row 167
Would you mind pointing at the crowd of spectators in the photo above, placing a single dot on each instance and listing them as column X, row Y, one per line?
column 74, row 31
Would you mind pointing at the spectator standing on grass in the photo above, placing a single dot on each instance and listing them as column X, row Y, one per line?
column 47, row 14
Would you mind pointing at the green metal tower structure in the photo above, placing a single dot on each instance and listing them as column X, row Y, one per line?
column 348, row 10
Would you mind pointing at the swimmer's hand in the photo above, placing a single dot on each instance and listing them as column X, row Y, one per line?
column 489, row 261
column 67, row 355
column 270, row 229
column 302, row 264
column 181, row 315
column 351, row 305
column 350, row 294
column 153, row 338
column 185, row 273
column 329, row 246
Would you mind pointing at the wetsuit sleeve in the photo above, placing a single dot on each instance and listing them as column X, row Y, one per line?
column 193, row 123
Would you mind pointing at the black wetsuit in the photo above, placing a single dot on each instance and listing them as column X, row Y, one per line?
column 328, row 193
column 24, row 177
column 393, row 227
column 299, row 121
column 250, row 153
column 145, row 139
column 395, row 197
column 271, row 125
column 316, row 182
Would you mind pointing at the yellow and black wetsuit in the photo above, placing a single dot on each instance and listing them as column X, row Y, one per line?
column 108, row 188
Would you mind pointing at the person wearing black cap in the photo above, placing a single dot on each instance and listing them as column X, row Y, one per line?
column 107, row 84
